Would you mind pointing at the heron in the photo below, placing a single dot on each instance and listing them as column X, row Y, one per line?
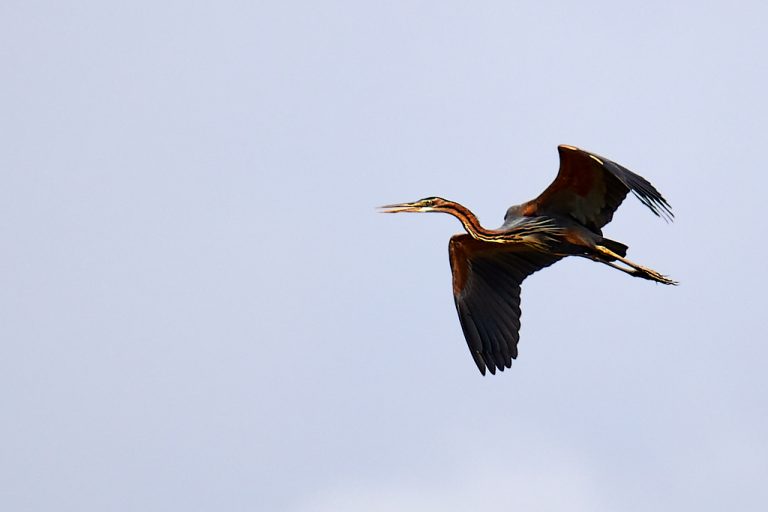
column 566, row 219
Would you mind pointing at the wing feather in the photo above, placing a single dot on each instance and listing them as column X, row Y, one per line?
column 486, row 286
column 589, row 188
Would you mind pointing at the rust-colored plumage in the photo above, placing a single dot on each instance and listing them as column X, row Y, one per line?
column 489, row 265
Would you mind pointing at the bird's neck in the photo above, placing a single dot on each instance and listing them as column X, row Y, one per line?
column 469, row 221
column 534, row 233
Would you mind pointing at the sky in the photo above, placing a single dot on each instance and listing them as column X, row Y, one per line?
column 200, row 308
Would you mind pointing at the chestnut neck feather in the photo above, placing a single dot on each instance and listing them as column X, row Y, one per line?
column 468, row 220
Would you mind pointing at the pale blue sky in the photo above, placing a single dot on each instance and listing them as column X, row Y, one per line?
column 200, row 309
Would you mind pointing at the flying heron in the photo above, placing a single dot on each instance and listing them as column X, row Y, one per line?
column 488, row 265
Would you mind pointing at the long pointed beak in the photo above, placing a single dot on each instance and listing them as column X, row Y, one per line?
column 400, row 207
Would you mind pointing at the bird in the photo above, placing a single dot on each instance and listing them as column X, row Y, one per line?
column 566, row 219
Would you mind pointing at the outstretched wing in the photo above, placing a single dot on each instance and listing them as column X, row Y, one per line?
column 486, row 290
column 589, row 188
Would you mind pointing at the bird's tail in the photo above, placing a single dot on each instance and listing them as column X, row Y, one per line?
column 617, row 247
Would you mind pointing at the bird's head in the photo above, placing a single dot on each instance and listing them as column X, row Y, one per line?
column 428, row 204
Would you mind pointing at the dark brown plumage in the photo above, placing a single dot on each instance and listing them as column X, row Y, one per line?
column 488, row 266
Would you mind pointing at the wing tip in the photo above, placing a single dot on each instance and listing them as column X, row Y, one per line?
column 480, row 364
column 656, row 203
column 485, row 365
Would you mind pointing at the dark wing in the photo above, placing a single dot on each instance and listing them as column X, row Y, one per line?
column 589, row 188
column 486, row 289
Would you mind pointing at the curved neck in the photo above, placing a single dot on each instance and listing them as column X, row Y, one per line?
column 468, row 220
column 535, row 232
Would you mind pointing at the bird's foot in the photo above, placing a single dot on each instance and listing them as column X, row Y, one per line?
column 652, row 275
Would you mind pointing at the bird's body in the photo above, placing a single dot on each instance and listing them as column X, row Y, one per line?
column 488, row 265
